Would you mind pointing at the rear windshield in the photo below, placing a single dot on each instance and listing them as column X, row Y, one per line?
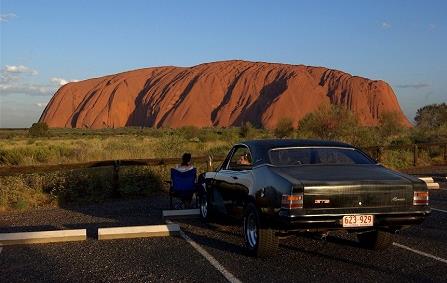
column 317, row 155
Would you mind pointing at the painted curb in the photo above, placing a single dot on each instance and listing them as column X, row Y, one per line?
column 433, row 186
column 435, row 183
column 138, row 232
column 182, row 212
column 426, row 179
column 42, row 237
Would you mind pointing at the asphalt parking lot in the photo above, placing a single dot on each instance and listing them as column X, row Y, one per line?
column 419, row 255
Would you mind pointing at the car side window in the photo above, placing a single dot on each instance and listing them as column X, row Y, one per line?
column 241, row 159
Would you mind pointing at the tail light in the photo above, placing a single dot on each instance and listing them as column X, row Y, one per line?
column 420, row 198
column 292, row 201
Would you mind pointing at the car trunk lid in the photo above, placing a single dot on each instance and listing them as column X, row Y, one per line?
column 349, row 187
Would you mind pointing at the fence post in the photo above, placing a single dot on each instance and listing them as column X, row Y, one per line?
column 116, row 178
column 209, row 163
column 415, row 155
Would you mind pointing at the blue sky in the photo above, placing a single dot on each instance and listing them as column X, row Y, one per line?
column 47, row 43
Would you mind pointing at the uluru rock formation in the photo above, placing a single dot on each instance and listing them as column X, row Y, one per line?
column 223, row 94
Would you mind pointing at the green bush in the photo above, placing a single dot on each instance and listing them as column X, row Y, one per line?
column 284, row 128
column 246, row 131
column 11, row 157
column 330, row 123
column 39, row 129
column 389, row 127
column 138, row 181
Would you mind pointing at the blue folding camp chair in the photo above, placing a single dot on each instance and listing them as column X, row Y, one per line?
column 183, row 185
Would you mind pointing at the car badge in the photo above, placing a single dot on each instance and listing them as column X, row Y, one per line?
column 397, row 199
column 360, row 203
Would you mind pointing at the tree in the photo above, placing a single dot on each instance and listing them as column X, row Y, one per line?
column 330, row 122
column 431, row 123
column 389, row 125
column 284, row 128
column 39, row 129
column 431, row 116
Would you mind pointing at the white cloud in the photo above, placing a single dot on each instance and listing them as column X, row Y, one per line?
column 12, row 81
column 19, row 69
column 41, row 104
column 6, row 17
column 7, row 78
column 386, row 25
column 25, row 88
column 61, row 81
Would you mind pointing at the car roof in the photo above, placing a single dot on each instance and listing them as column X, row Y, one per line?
column 259, row 148
column 273, row 143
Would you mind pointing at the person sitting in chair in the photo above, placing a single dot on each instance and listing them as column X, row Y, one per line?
column 186, row 163
column 183, row 181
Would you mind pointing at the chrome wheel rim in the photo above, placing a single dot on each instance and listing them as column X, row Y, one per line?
column 251, row 230
column 204, row 207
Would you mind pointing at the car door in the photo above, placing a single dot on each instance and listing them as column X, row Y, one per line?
column 234, row 180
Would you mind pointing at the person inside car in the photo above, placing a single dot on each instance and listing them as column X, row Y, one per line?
column 244, row 159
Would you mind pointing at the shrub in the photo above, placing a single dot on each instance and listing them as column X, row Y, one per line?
column 189, row 132
column 246, row 130
column 389, row 126
column 139, row 181
column 330, row 123
column 284, row 128
column 11, row 157
column 39, row 129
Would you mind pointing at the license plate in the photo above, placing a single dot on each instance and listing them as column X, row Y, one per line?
column 358, row 220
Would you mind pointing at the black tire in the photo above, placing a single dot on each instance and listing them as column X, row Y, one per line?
column 204, row 207
column 206, row 213
column 375, row 240
column 260, row 241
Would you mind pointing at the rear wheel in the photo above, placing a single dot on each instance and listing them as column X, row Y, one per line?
column 375, row 240
column 260, row 241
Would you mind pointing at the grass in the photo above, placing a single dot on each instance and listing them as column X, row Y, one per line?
column 83, row 146
column 95, row 185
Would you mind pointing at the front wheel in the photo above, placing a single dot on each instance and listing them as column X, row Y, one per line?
column 204, row 205
column 260, row 241
column 204, row 208
column 375, row 240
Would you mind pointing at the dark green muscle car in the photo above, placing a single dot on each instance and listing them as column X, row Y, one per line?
column 282, row 187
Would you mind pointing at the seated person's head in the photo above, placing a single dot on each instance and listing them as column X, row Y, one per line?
column 243, row 159
column 186, row 159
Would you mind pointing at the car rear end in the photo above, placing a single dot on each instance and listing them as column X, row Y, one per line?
column 354, row 206
column 342, row 188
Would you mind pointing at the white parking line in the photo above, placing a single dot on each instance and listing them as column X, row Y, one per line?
column 440, row 210
column 230, row 277
column 420, row 252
